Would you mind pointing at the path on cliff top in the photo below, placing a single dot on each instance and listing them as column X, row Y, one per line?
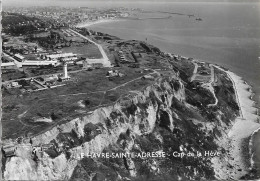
column 206, row 85
column 114, row 88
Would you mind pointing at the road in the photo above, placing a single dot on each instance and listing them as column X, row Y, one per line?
column 18, row 64
column 105, row 59
column 112, row 89
column 235, row 89
column 194, row 71
column 206, row 85
column 105, row 91
column 210, row 87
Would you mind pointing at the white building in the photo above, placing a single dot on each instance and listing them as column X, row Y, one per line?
column 61, row 55
column 8, row 65
column 19, row 57
column 12, row 85
column 38, row 63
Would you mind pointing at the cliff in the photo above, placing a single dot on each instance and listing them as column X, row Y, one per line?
column 164, row 118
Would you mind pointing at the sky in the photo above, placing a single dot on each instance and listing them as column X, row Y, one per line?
column 57, row 2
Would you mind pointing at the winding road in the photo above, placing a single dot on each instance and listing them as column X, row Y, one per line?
column 206, row 85
column 105, row 59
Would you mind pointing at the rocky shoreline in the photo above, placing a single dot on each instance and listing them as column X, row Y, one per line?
column 241, row 131
column 253, row 150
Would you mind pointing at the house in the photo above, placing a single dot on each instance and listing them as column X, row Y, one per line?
column 51, row 78
column 19, row 57
column 10, row 85
column 149, row 77
column 69, row 59
column 8, row 65
column 114, row 73
column 9, row 150
column 62, row 79
column 61, row 55
column 122, row 56
column 15, row 84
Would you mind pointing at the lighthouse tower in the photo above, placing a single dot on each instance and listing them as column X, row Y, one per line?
column 65, row 70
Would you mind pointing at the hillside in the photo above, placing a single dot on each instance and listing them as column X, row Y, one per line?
column 163, row 118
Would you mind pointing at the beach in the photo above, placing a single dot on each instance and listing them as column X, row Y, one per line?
column 101, row 21
column 244, row 126
column 237, row 162
column 254, row 149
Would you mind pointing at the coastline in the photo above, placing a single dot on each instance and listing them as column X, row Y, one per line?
column 253, row 142
column 240, row 136
column 90, row 23
column 239, row 162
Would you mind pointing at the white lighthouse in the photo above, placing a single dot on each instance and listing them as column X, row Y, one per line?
column 65, row 70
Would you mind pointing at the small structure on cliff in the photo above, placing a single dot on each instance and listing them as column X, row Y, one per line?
column 9, row 150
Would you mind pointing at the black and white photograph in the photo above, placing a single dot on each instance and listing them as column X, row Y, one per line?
column 130, row 90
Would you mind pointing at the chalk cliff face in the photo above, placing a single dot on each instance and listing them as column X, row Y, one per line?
column 157, row 119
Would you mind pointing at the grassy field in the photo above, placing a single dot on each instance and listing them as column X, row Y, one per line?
column 86, row 51
column 86, row 91
column 12, row 74
column 185, row 67
column 90, row 88
column 202, row 78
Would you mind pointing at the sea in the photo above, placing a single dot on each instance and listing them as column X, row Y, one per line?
column 228, row 35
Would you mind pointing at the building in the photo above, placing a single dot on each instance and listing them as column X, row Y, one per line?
column 39, row 63
column 19, row 57
column 10, row 85
column 8, row 65
column 65, row 75
column 61, row 55
column 51, row 78
column 114, row 73
column 69, row 59
column 9, row 150
column 65, row 70
column 149, row 77
column 121, row 56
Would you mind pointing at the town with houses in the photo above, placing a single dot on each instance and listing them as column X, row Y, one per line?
column 44, row 56
column 45, row 40
column 68, row 16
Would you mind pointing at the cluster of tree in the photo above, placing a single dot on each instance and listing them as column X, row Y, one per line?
column 15, row 19
column 17, row 24
column 13, row 50
column 52, row 41
column 85, row 31
column 21, row 30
